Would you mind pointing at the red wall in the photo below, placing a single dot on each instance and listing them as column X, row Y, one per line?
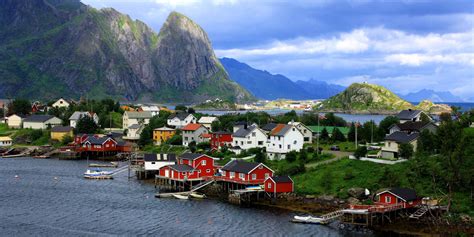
column 248, row 177
column 197, row 164
column 280, row 187
column 220, row 140
column 394, row 200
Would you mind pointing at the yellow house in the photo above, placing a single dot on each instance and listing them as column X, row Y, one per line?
column 162, row 134
column 59, row 132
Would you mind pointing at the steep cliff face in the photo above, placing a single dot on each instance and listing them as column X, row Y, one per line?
column 51, row 48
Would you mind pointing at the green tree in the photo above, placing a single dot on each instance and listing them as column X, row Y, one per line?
column 181, row 108
column 406, row 150
column 260, row 157
column 385, row 124
column 337, row 135
column 324, row 134
column 86, row 125
column 175, row 140
column 192, row 146
column 67, row 139
column 303, row 156
column 291, row 156
column 191, row 110
column 426, row 143
column 203, row 145
column 333, row 120
column 360, row 152
column 19, row 106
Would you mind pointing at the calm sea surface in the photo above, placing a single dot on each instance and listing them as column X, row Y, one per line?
column 35, row 204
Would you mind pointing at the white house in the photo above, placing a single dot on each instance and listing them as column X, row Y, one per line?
column 305, row 130
column 154, row 162
column 129, row 118
column 180, row 120
column 192, row 132
column 15, row 121
column 411, row 115
column 391, row 148
column 79, row 114
column 207, row 121
column 41, row 121
column 153, row 109
column 5, row 141
column 283, row 139
column 61, row 103
column 134, row 131
column 248, row 137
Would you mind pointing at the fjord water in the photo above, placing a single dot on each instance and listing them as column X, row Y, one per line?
column 36, row 203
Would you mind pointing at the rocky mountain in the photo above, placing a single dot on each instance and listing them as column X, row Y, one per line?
column 265, row 85
column 365, row 98
column 320, row 89
column 52, row 48
column 435, row 96
column 433, row 108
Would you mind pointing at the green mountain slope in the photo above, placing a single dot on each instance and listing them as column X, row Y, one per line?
column 52, row 48
column 364, row 97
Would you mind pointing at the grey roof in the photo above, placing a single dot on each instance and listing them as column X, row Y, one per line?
column 282, row 179
column 269, row 126
column 39, row 118
column 78, row 115
column 181, row 116
column 164, row 129
column 406, row 193
column 240, row 166
column 134, row 126
column 190, row 156
column 402, row 137
column 135, row 115
column 412, row 126
column 97, row 140
column 160, row 157
column 181, row 167
column 243, row 132
column 408, row 114
column 62, row 129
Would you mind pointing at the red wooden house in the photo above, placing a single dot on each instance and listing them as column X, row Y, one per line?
column 405, row 196
column 100, row 144
column 243, row 172
column 220, row 139
column 279, row 184
column 189, row 166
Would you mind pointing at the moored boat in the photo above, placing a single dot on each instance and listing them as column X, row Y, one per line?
column 179, row 196
column 98, row 174
column 197, row 195
column 309, row 220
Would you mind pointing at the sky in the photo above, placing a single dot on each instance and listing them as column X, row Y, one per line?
column 403, row 45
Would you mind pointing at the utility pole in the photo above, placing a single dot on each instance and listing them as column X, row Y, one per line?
column 371, row 132
column 356, row 125
column 317, row 138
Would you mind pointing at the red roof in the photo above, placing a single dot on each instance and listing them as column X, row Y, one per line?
column 277, row 129
column 206, row 135
column 192, row 127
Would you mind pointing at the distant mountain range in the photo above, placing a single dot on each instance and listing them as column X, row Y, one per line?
column 435, row 96
column 265, row 85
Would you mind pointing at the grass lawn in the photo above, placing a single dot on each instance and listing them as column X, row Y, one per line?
column 337, row 177
column 4, row 130
column 344, row 146
column 164, row 148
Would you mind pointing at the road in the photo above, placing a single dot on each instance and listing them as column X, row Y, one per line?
column 338, row 156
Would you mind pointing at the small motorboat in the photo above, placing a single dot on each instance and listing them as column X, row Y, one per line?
column 197, row 195
column 308, row 219
column 179, row 196
column 98, row 174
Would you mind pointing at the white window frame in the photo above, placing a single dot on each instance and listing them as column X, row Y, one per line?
column 388, row 199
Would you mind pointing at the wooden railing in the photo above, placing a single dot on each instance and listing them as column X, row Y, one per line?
column 235, row 180
column 377, row 208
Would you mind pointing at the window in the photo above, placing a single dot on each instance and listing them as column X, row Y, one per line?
column 260, row 167
column 242, row 143
column 260, row 143
column 254, row 134
column 242, row 176
column 203, row 162
column 199, row 171
column 269, row 185
column 295, row 142
column 267, row 175
column 388, row 199
column 306, row 139
column 293, row 129
column 208, row 171
column 232, row 174
column 153, row 163
column 183, row 173
column 254, row 176
column 279, row 146
column 289, row 147
column 223, row 173
column 249, row 142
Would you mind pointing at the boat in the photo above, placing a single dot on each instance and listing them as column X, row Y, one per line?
column 179, row 196
column 256, row 187
column 308, row 220
column 197, row 195
column 111, row 165
column 98, row 174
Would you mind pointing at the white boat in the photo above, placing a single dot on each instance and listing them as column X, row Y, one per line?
column 179, row 196
column 197, row 195
column 308, row 219
column 98, row 174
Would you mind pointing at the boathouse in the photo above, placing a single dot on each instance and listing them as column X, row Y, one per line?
column 153, row 162
column 278, row 184
column 242, row 172
column 405, row 196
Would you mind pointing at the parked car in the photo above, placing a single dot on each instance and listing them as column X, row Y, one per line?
column 335, row 148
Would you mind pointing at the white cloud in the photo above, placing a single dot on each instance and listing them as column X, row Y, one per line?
column 419, row 59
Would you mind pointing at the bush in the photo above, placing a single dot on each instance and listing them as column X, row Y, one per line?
column 260, row 157
column 204, row 146
column 310, row 149
column 291, row 169
column 175, row 140
column 360, row 152
column 291, row 156
column 406, row 150
column 192, row 146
